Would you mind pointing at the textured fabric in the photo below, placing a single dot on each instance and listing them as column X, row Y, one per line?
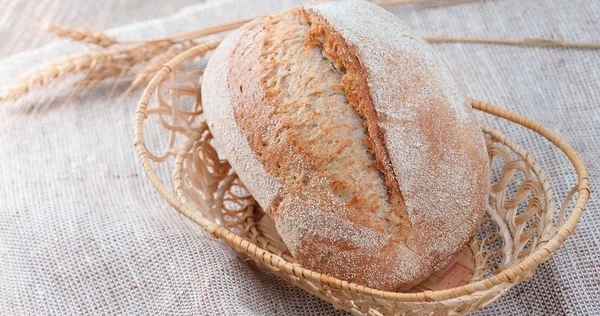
column 83, row 231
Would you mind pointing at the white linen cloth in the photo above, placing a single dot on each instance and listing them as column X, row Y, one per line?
column 83, row 231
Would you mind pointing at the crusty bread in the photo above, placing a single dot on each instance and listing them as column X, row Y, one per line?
column 354, row 137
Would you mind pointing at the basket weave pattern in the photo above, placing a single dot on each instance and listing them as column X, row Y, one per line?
column 521, row 229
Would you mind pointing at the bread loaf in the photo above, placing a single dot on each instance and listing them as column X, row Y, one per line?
column 354, row 137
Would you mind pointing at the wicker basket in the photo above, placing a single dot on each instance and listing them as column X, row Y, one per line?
column 521, row 229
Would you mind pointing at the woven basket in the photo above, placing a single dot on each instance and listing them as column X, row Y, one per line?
column 522, row 228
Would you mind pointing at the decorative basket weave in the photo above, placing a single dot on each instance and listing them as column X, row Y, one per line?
column 521, row 229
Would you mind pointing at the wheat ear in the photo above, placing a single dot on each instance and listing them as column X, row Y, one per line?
column 62, row 67
column 80, row 35
column 97, row 64
column 111, row 62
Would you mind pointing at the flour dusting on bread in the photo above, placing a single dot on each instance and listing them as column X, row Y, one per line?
column 228, row 134
column 430, row 131
column 354, row 137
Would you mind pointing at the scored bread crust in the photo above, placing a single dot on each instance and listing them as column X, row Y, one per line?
column 425, row 141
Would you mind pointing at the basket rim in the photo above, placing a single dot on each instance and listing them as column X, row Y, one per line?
column 510, row 275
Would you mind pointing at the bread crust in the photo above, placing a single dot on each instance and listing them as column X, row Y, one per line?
column 231, row 142
column 419, row 126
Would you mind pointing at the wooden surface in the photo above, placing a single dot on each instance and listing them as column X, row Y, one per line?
column 19, row 33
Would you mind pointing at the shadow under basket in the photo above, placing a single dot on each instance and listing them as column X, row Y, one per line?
column 522, row 227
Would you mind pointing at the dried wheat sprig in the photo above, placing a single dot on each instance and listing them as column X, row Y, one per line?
column 400, row 2
column 522, row 42
column 449, row 3
column 514, row 42
column 86, row 62
column 112, row 62
column 120, row 66
column 190, row 35
column 80, row 35
column 104, row 72
column 59, row 68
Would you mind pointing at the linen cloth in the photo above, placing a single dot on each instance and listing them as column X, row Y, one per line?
column 83, row 231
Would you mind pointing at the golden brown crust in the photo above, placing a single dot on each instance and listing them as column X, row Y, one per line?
column 442, row 179
column 380, row 171
column 354, row 82
column 298, row 120
column 333, row 210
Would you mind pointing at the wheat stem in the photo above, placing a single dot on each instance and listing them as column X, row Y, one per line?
column 523, row 42
column 103, row 64
column 519, row 42
column 235, row 24
column 399, row 2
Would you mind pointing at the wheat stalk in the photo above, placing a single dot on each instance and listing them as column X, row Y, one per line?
column 146, row 58
column 118, row 67
column 57, row 69
column 147, row 72
column 524, row 42
column 97, row 65
column 80, row 35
